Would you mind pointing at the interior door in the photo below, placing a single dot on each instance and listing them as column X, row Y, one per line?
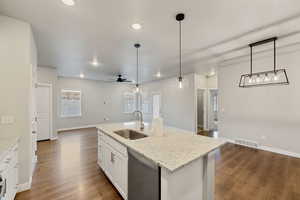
column 43, row 99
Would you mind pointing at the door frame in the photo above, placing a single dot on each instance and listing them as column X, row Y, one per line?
column 209, row 107
column 51, row 105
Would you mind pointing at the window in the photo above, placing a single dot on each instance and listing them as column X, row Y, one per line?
column 70, row 103
column 215, row 103
column 146, row 106
column 129, row 102
column 156, row 105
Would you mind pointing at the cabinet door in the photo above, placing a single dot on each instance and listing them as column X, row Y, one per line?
column 101, row 155
column 108, row 161
column 120, row 173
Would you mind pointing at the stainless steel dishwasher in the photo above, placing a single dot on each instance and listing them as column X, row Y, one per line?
column 143, row 178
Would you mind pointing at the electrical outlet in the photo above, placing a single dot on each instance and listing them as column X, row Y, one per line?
column 7, row 119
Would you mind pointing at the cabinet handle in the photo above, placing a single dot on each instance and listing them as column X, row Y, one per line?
column 112, row 157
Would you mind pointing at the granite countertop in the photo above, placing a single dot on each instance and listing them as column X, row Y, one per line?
column 6, row 143
column 172, row 151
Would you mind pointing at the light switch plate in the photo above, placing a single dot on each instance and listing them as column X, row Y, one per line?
column 7, row 119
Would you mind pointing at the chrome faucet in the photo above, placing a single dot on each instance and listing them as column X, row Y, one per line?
column 141, row 119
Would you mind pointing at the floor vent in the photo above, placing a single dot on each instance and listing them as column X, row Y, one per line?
column 246, row 143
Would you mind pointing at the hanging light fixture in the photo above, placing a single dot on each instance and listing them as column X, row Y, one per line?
column 180, row 18
column 273, row 77
column 137, row 86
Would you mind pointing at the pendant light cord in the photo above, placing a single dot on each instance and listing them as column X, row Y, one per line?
column 251, row 62
column 180, row 51
column 274, row 55
column 137, row 66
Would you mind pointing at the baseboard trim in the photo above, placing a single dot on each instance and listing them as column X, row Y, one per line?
column 267, row 148
column 75, row 128
column 25, row 186
column 54, row 138
column 280, row 151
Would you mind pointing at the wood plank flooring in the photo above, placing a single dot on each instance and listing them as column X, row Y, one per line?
column 67, row 170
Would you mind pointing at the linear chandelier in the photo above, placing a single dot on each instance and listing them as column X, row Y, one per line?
column 266, row 78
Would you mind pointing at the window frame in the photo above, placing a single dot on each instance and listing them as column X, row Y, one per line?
column 60, row 99
column 125, row 96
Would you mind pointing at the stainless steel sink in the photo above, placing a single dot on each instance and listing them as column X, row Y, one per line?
column 130, row 134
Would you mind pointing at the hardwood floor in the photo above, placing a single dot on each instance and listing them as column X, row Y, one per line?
column 67, row 170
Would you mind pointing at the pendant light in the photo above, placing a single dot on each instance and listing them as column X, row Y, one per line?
column 274, row 77
column 180, row 18
column 137, row 86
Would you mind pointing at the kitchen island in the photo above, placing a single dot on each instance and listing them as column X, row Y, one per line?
column 185, row 162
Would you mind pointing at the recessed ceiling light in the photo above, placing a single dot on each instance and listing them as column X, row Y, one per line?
column 95, row 62
column 158, row 74
column 69, row 2
column 136, row 26
column 81, row 75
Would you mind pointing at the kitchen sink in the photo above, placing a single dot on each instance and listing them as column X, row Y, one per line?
column 130, row 134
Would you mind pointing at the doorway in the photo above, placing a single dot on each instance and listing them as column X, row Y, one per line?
column 213, row 110
column 44, row 111
column 207, row 112
column 201, row 110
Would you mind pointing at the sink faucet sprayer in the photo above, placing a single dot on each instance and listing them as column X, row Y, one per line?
column 141, row 119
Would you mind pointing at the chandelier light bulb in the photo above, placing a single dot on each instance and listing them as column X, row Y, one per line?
column 258, row 79
column 267, row 78
column 250, row 80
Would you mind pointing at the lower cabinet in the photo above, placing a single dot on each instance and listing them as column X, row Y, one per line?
column 114, row 162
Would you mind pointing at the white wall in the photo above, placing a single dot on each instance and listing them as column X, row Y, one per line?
column 49, row 75
column 17, row 58
column 100, row 100
column 212, row 82
column 178, row 107
column 268, row 115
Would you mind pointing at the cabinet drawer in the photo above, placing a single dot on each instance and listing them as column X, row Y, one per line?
column 115, row 145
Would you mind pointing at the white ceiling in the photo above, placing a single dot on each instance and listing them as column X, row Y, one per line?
column 69, row 37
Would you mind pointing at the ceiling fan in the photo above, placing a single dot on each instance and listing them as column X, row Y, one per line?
column 119, row 79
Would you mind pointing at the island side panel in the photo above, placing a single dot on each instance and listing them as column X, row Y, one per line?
column 209, row 176
column 185, row 183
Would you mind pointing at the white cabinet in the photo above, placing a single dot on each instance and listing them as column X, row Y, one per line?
column 113, row 160
column 9, row 174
